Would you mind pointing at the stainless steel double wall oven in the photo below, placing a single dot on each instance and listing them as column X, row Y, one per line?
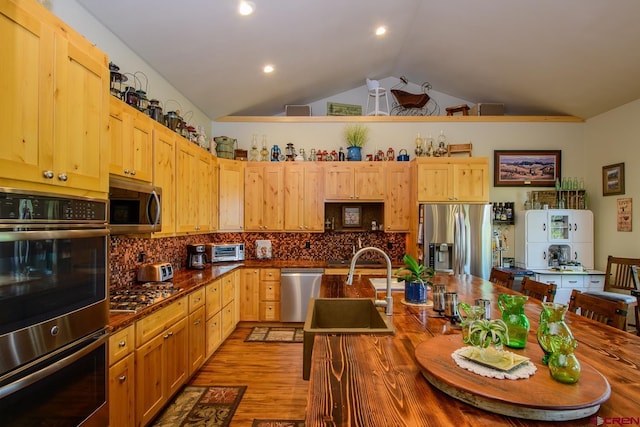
column 53, row 310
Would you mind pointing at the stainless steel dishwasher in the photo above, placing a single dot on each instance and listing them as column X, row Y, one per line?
column 297, row 286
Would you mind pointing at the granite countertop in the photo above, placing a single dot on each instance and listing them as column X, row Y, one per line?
column 189, row 280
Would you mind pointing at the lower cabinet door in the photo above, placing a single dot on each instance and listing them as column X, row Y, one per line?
column 121, row 392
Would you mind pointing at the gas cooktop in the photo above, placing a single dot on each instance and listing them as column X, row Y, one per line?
column 135, row 298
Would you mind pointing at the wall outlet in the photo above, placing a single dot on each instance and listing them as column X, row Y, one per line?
column 141, row 256
column 307, row 245
column 389, row 244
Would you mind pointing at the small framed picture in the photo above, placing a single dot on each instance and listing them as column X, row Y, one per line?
column 613, row 179
column 351, row 216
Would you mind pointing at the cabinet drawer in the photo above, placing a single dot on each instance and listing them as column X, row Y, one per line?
column 269, row 291
column 269, row 311
column 572, row 282
column 594, row 283
column 120, row 344
column 157, row 322
column 213, row 297
column 196, row 299
column 270, row 274
column 556, row 279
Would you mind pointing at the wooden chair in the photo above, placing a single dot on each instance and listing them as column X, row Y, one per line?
column 609, row 312
column 619, row 282
column 545, row 292
column 502, row 278
column 459, row 148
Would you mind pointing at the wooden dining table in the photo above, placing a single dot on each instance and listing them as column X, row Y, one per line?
column 376, row 380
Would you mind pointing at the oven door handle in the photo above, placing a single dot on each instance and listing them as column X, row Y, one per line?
column 58, row 365
column 12, row 236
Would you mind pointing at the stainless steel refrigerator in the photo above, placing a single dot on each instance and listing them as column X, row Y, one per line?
column 456, row 238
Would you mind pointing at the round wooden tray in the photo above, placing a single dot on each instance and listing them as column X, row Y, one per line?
column 539, row 397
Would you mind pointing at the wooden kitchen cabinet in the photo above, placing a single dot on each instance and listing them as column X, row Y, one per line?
column 197, row 339
column 230, row 195
column 131, row 142
column 269, row 294
column 55, row 110
column 264, row 197
column 450, row 179
column 121, row 377
column 194, row 198
column 397, row 209
column 250, row 294
column 354, row 181
column 164, row 176
column 228, row 312
column 161, row 358
column 213, row 307
column 303, row 197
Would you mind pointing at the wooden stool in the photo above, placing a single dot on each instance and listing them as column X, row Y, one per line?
column 464, row 109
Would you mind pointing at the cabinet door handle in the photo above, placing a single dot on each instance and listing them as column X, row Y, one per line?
column 122, row 378
column 133, row 172
column 63, row 177
column 544, row 227
column 197, row 322
column 48, row 174
column 122, row 344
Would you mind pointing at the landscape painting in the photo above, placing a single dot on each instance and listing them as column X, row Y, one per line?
column 535, row 168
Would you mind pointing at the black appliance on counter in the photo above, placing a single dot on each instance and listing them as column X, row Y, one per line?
column 53, row 309
column 196, row 256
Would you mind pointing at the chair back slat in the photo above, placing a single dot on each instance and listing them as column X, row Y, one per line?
column 619, row 274
column 502, row 278
column 545, row 292
column 609, row 312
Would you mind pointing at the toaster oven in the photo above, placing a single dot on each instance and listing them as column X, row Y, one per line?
column 225, row 252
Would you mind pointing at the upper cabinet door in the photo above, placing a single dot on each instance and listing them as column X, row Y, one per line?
column 26, row 110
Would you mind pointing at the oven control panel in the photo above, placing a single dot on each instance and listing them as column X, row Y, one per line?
column 22, row 207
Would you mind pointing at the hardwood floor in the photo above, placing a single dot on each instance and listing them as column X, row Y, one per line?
column 272, row 373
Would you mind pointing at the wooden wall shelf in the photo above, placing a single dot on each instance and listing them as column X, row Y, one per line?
column 398, row 119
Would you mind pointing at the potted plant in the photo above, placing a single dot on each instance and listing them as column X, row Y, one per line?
column 489, row 336
column 356, row 135
column 416, row 277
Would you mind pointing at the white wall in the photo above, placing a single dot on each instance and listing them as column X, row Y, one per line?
column 612, row 137
column 84, row 23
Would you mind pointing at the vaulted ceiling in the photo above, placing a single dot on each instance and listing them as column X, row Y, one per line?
column 569, row 57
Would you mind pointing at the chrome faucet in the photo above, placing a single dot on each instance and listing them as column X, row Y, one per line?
column 388, row 301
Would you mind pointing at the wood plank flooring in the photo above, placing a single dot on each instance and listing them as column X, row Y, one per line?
column 272, row 373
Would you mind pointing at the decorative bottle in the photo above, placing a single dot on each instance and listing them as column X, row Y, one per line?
column 512, row 309
column 552, row 324
column 563, row 364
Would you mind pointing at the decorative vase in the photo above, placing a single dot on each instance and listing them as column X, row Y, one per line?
column 415, row 292
column 354, row 154
column 563, row 364
column 552, row 324
column 512, row 309
column 468, row 314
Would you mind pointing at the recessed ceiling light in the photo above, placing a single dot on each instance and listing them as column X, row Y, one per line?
column 268, row 69
column 246, row 8
column 381, row 30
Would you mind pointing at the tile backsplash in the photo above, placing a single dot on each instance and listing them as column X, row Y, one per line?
column 127, row 254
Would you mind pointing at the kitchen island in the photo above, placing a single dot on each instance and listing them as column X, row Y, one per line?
column 375, row 380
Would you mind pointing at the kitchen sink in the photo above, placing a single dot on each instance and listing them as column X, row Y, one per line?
column 341, row 316
column 359, row 263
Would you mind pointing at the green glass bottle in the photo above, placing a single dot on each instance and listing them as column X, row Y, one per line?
column 551, row 324
column 563, row 364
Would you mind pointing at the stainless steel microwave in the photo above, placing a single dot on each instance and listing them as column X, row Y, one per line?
column 134, row 207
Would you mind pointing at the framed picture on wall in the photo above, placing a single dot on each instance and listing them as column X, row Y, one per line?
column 613, row 179
column 517, row 168
column 351, row 216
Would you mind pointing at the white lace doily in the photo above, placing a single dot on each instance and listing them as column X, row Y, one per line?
column 521, row 372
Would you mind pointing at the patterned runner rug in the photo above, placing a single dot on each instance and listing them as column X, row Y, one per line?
column 202, row 406
column 275, row 334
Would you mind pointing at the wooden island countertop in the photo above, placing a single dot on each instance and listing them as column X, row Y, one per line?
column 375, row 380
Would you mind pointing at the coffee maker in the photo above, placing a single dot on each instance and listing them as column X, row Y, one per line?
column 196, row 256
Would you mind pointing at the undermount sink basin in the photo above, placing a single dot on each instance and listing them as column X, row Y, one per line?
column 342, row 316
column 359, row 263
